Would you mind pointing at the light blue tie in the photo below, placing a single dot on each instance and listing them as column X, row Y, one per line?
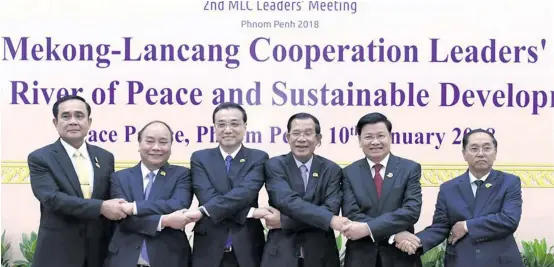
column 143, row 252
column 304, row 171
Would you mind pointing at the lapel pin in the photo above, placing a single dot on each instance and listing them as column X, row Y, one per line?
column 96, row 159
column 162, row 173
column 97, row 165
column 487, row 185
column 315, row 174
column 389, row 175
column 242, row 160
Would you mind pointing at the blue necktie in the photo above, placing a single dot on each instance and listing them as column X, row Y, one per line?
column 143, row 252
column 228, row 160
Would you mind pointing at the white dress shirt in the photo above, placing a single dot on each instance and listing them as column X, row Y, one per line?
column 382, row 172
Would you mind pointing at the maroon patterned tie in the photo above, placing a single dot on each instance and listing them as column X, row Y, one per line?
column 378, row 180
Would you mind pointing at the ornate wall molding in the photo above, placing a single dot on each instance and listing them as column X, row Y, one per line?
column 532, row 175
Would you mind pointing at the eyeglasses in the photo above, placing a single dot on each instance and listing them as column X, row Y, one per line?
column 476, row 150
column 224, row 125
column 296, row 135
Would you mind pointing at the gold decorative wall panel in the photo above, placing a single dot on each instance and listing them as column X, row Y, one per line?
column 532, row 176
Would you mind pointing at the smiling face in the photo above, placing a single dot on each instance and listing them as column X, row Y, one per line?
column 375, row 140
column 229, row 128
column 155, row 145
column 480, row 153
column 303, row 138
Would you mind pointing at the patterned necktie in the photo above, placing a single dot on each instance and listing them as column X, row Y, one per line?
column 377, row 179
column 478, row 183
column 228, row 160
column 150, row 177
column 82, row 173
column 304, row 171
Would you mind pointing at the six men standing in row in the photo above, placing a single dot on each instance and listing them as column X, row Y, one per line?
column 93, row 216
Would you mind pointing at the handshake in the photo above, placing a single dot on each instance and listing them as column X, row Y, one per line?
column 407, row 242
column 350, row 229
column 118, row 209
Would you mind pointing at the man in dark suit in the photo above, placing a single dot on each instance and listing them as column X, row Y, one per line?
column 226, row 182
column 71, row 180
column 382, row 197
column 156, row 192
column 478, row 212
column 304, row 190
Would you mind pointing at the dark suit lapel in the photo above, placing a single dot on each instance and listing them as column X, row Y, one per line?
column 97, row 167
column 465, row 190
column 65, row 163
column 484, row 193
column 136, row 182
column 220, row 180
column 236, row 165
column 367, row 181
column 159, row 181
column 391, row 174
column 313, row 178
column 296, row 181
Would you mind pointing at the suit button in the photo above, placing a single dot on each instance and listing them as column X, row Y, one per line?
column 138, row 247
column 477, row 251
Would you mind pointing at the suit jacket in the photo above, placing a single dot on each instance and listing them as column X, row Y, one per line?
column 171, row 191
column 71, row 228
column 397, row 210
column 228, row 199
column 492, row 217
column 305, row 214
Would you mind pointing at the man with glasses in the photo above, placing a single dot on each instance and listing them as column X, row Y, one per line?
column 226, row 181
column 478, row 211
column 304, row 192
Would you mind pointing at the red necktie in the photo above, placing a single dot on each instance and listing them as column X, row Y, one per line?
column 377, row 179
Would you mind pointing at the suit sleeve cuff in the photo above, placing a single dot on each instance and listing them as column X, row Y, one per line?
column 250, row 213
column 135, row 208
column 391, row 239
column 160, row 224
column 370, row 234
column 204, row 210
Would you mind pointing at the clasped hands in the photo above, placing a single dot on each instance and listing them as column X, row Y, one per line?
column 118, row 209
column 409, row 242
column 350, row 229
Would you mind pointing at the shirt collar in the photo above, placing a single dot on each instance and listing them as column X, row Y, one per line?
column 383, row 162
column 71, row 150
column 308, row 163
column 472, row 178
column 145, row 171
column 233, row 155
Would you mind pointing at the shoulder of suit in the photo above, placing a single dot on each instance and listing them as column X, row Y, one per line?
column 277, row 159
column 407, row 161
column 257, row 152
column 39, row 152
column 508, row 176
column 327, row 162
column 99, row 149
column 201, row 152
column 354, row 164
column 179, row 168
